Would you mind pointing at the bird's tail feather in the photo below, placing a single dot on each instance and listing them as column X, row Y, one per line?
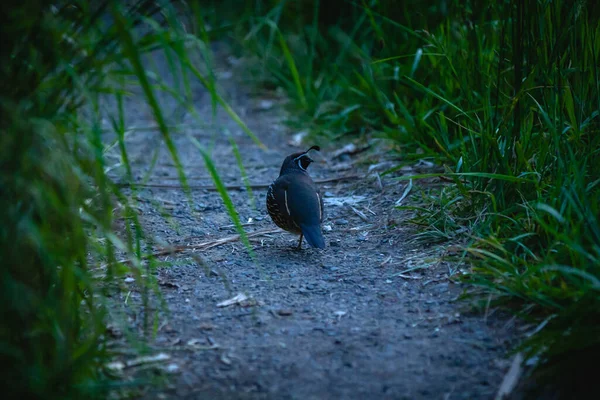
column 313, row 235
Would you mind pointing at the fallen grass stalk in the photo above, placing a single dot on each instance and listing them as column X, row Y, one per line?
column 231, row 187
column 200, row 246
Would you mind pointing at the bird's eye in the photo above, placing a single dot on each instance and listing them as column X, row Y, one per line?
column 304, row 161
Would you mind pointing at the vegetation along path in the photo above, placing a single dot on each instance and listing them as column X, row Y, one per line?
column 374, row 315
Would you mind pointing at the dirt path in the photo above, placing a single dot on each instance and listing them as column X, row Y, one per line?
column 342, row 323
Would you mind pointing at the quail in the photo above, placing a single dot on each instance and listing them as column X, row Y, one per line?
column 295, row 203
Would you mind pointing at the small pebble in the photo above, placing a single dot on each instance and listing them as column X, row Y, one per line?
column 172, row 368
column 265, row 104
column 361, row 238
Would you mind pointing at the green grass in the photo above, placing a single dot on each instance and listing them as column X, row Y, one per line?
column 506, row 97
column 62, row 257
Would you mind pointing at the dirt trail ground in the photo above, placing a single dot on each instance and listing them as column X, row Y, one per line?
column 370, row 317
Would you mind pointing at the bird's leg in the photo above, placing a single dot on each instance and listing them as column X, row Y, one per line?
column 300, row 242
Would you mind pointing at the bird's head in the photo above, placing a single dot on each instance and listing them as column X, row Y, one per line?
column 297, row 161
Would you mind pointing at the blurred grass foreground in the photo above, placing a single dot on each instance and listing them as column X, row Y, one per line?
column 60, row 62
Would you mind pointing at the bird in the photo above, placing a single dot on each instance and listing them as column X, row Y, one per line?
column 295, row 203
